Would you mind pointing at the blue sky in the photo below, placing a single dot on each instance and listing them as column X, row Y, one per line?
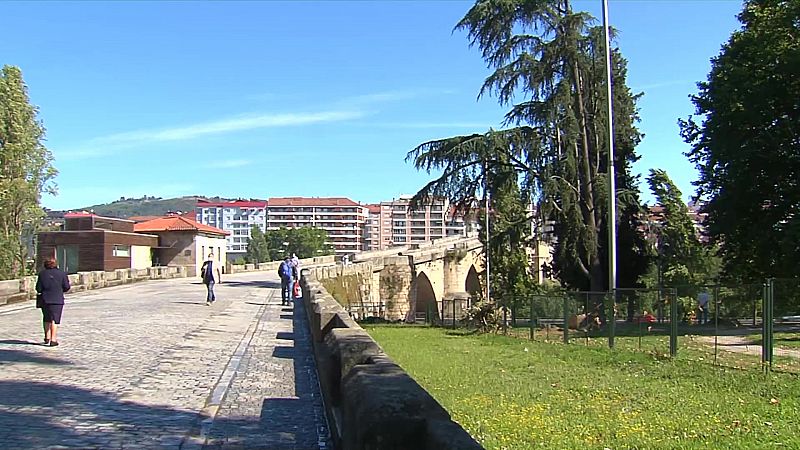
column 267, row 99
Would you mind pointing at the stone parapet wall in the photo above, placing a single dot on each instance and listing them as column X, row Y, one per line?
column 273, row 265
column 371, row 402
column 24, row 289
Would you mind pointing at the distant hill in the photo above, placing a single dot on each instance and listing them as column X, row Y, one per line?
column 145, row 206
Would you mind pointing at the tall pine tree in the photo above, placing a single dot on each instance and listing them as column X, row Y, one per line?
column 549, row 68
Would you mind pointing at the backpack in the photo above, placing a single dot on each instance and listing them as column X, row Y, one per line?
column 285, row 270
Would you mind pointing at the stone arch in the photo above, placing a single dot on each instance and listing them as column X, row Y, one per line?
column 426, row 303
column 472, row 284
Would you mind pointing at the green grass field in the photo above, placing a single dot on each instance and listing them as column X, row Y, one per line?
column 511, row 393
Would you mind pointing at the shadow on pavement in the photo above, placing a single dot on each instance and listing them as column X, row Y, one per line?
column 263, row 284
column 285, row 335
column 284, row 423
column 283, row 351
column 19, row 342
column 21, row 356
column 34, row 415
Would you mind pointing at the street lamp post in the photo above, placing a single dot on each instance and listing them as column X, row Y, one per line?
column 486, row 212
column 612, row 201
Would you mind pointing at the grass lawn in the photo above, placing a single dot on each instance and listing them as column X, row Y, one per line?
column 511, row 393
column 693, row 343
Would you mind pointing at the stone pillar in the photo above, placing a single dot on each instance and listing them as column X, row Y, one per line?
column 455, row 274
column 395, row 286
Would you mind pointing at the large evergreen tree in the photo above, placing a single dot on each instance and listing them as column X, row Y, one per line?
column 549, row 69
column 746, row 145
column 683, row 258
column 25, row 171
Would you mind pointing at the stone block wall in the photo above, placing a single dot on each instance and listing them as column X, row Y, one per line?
column 13, row 291
column 371, row 402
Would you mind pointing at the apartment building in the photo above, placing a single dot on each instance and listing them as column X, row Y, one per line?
column 372, row 228
column 342, row 218
column 398, row 224
column 237, row 217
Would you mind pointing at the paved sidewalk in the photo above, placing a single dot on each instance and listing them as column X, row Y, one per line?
column 148, row 365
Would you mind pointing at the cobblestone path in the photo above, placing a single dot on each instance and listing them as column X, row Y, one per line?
column 148, row 365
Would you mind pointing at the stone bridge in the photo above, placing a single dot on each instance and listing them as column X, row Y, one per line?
column 433, row 281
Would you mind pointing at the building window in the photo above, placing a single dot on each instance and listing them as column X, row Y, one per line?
column 122, row 250
column 187, row 252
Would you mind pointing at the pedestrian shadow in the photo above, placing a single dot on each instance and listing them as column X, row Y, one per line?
column 262, row 284
column 191, row 303
column 18, row 342
column 286, row 316
column 21, row 356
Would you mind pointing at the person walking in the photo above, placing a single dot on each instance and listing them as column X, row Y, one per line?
column 295, row 286
column 285, row 272
column 51, row 284
column 702, row 306
column 211, row 275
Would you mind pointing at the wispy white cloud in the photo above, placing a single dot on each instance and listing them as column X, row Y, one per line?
column 392, row 96
column 228, row 164
column 477, row 126
column 104, row 145
column 663, row 84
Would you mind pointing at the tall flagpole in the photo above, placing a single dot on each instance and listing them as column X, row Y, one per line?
column 612, row 190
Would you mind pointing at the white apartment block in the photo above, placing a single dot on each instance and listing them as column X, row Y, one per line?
column 238, row 217
column 342, row 218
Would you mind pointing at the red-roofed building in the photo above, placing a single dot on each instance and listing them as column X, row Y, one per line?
column 342, row 218
column 185, row 242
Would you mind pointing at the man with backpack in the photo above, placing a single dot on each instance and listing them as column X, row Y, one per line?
column 210, row 274
column 285, row 272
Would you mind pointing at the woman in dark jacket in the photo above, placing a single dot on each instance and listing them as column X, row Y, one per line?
column 50, row 288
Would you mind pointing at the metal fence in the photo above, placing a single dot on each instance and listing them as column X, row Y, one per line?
column 741, row 326
column 453, row 311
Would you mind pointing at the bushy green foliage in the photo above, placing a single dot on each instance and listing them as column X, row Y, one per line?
column 745, row 145
column 257, row 250
column 305, row 242
column 144, row 206
column 26, row 172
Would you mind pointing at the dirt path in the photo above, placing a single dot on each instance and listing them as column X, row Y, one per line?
column 742, row 344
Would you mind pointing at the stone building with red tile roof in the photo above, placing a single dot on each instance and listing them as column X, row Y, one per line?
column 185, row 242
